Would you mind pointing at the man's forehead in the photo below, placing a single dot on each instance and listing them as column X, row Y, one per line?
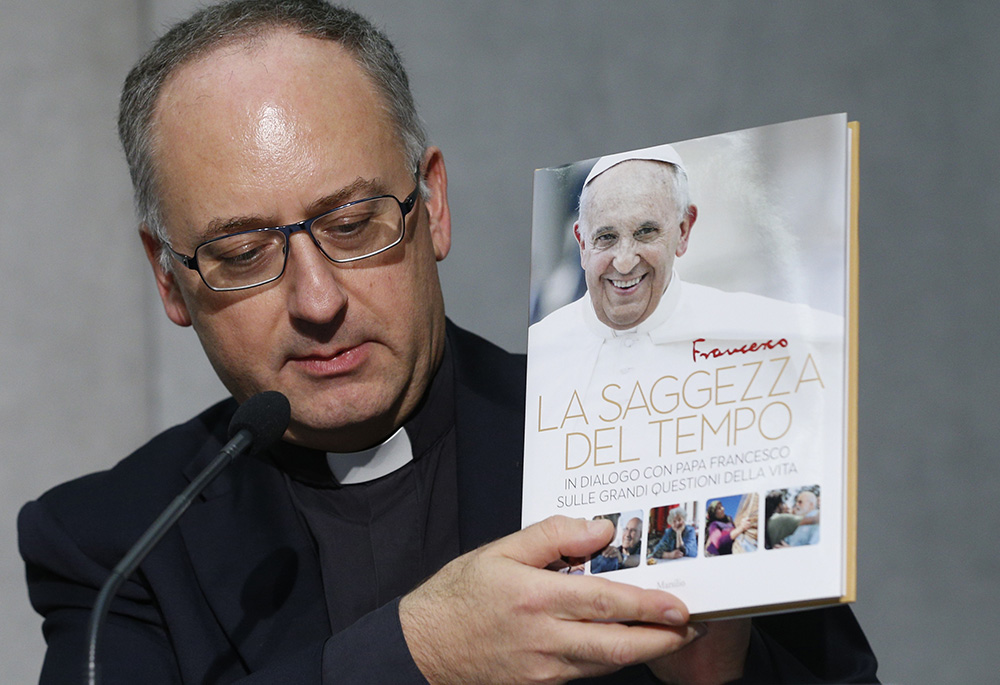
column 633, row 174
column 261, row 68
column 632, row 187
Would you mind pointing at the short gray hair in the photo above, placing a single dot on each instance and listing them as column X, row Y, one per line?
column 244, row 21
column 676, row 513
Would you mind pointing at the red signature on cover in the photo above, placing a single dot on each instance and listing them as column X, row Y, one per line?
column 747, row 348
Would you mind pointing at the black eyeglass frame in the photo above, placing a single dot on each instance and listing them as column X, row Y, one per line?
column 405, row 207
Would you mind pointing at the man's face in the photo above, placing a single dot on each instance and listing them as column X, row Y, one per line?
column 630, row 231
column 272, row 136
column 805, row 502
column 632, row 535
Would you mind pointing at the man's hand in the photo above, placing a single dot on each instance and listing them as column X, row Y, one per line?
column 495, row 615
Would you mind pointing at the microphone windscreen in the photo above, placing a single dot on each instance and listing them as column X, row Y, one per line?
column 266, row 416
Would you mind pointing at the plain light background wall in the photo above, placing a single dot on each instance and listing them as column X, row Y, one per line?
column 90, row 368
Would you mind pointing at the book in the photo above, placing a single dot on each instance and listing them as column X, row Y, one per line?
column 692, row 364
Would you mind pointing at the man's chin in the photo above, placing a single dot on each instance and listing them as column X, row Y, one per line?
column 622, row 312
column 624, row 320
column 340, row 425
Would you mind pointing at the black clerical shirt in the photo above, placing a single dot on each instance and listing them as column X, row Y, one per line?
column 378, row 539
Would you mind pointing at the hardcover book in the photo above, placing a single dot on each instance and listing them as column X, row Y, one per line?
column 692, row 364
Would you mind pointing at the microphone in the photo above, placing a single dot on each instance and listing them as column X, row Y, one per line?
column 260, row 421
column 257, row 424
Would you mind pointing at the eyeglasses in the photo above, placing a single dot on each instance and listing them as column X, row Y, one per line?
column 351, row 232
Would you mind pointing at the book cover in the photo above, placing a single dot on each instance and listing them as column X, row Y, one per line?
column 692, row 363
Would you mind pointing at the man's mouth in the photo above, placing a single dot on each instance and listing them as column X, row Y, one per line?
column 334, row 363
column 626, row 284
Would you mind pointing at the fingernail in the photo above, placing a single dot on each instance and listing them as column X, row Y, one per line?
column 701, row 629
column 674, row 617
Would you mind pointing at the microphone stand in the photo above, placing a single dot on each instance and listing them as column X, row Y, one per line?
column 236, row 446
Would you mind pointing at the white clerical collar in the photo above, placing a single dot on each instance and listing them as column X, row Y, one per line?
column 351, row 468
column 664, row 310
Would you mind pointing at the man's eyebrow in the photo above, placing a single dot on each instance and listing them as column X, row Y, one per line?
column 359, row 189
column 219, row 227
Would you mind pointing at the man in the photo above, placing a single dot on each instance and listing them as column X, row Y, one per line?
column 635, row 219
column 807, row 508
column 305, row 565
column 625, row 555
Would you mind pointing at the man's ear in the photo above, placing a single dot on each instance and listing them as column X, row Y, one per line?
column 436, row 178
column 686, row 226
column 166, row 283
column 579, row 238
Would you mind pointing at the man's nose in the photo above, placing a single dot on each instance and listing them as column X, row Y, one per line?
column 315, row 294
column 625, row 258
